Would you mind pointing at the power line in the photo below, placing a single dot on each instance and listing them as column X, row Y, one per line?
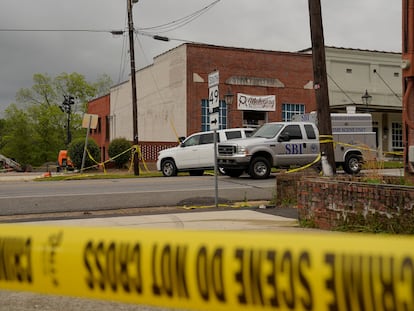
column 389, row 87
column 341, row 89
column 179, row 22
column 58, row 30
column 144, row 31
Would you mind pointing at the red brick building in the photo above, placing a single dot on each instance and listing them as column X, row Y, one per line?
column 286, row 75
column 101, row 107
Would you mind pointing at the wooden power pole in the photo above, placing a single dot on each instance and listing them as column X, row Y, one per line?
column 320, row 79
column 133, row 86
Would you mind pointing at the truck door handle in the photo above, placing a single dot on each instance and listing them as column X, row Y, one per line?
column 304, row 145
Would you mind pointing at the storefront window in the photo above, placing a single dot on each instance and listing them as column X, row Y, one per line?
column 288, row 110
column 254, row 118
column 205, row 115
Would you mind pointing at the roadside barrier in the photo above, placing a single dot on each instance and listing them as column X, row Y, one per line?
column 211, row 270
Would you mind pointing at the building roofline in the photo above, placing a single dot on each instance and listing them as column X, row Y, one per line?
column 350, row 49
column 221, row 47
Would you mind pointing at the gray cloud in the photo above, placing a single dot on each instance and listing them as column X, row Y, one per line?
column 261, row 24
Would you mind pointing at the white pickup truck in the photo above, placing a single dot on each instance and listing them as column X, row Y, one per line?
column 286, row 144
column 276, row 144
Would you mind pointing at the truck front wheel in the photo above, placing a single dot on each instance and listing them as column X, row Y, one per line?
column 259, row 168
column 352, row 164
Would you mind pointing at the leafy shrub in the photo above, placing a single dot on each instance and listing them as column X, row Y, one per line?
column 75, row 152
column 117, row 149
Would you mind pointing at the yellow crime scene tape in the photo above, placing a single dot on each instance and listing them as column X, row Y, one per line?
column 211, row 270
column 324, row 139
column 134, row 149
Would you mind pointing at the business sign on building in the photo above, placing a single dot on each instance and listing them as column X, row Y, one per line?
column 258, row 103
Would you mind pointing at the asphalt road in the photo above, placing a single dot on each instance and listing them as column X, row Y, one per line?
column 31, row 197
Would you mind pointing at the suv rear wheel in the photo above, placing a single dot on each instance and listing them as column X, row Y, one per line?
column 168, row 168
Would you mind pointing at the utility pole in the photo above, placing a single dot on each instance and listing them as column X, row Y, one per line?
column 133, row 85
column 320, row 80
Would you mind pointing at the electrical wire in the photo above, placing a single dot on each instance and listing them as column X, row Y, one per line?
column 145, row 30
column 122, row 64
column 179, row 22
column 157, row 87
column 163, row 100
column 389, row 87
column 341, row 89
column 55, row 30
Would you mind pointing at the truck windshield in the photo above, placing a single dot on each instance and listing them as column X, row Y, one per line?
column 268, row 130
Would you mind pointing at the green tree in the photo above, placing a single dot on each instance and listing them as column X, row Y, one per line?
column 2, row 130
column 75, row 152
column 102, row 85
column 117, row 148
column 17, row 136
column 37, row 122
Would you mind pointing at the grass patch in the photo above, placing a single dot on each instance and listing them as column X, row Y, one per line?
column 98, row 175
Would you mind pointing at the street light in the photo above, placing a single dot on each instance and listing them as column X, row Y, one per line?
column 366, row 99
column 228, row 99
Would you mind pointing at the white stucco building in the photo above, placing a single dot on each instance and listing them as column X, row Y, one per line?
column 351, row 72
column 161, row 94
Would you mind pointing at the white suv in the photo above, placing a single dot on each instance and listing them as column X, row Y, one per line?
column 195, row 154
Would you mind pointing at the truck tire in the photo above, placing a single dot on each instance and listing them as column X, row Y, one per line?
column 168, row 168
column 352, row 164
column 259, row 168
column 235, row 173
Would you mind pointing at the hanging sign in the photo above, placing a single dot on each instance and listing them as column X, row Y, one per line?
column 258, row 103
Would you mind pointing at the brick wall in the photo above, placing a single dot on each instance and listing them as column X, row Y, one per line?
column 294, row 70
column 331, row 204
column 149, row 150
column 100, row 106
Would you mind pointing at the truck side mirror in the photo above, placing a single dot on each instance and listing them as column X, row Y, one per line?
column 283, row 137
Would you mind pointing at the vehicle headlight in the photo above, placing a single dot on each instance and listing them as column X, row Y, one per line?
column 241, row 150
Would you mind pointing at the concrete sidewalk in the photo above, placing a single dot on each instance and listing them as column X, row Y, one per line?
column 228, row 220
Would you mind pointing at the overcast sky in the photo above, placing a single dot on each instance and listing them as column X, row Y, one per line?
column 281, row 25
